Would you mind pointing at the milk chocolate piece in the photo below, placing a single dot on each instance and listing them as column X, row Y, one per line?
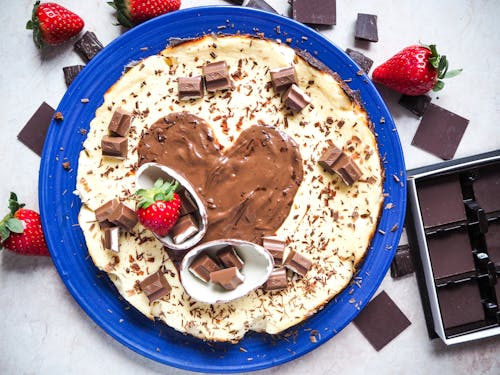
column 184, row 229
column 295, row 99
column 111, row 239
column 228, row 278
column 203, row 266
column 155, row 286
column 217, row 76
column 88, row 46
column 190, row 87
column 460, row 304
column 347, row 169
column 276, row 246
column 363, row 61
column 103, row 213
column 329, row 157
column 229, row 257
column 297, row 262
column 114, row 146
column 282, row 78
column 277, row 280
column 487, row 188
column 440, row 132
column 415, row 104
column 316, row 12
column 70, row 73
column 188, row 205
column 120, row 122
column 33, row 133
column 493, row 242
column 260, row 4
column 366, row 27
column 402, row 264
column 124, row 217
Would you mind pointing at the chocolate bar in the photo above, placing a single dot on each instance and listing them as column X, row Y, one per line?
column 203, row 266
column 155, row 286
column 492, row 238
column 366, row 27
column 70, row 73
column 103, row 213
column 120, row 122
column 282, row 78
column 487, row 188
column 260, row 4
column 276, row 246
column 295, row 99
column 415, row 104
column 228, row 278
column 114, row 146
column 188, row 205
column 217, row 76
column 316, row 12
column 230, row 258
column 277, row 280
column 184, row 229
column 190, row 87
column 460, row 304
column 111, row 239
column 124, row 217
column 297, row 262
column 364, row 62
column 476, row 214
column 33, row 133
column 334, row 160
column 88, row 46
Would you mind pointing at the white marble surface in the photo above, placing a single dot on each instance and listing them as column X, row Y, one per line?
column 44, row 331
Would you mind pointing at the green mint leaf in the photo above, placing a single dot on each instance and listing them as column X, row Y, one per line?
column 14, row 225
column 452, row 73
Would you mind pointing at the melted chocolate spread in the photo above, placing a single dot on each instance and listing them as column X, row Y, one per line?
column 248, row 189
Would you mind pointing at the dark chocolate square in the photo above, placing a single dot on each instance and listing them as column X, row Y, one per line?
column 450, row 253
column 487, row 188
column 381, row 321
column 441, row 201
column 415, row 104
column 70, row 73
column 260, row 4
column 316, row 12
column 492, row 238
column 460, row 304
column 497, row 292
column 440, row 132
column 364, row 62
column 34, row 132
column 402, row 264
column 366, row 27
column 88, row 46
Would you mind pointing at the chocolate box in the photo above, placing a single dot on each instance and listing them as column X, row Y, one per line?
column 453, row 227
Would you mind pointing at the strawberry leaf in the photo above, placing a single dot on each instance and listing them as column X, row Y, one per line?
column 4, row 233
column 452, row 73
column 14, row 205
column 438, row 86
column 14, row 225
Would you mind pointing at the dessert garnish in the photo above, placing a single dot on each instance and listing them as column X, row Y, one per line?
column 190, row 87
column 217, row 76
column 334, row 160
column 103, row 213
column 185, row 228
column 228, row 278
column 277, row 280
column 116, row 147
column 203, row 266
column 120, row 122
column 297, row 262
column 229, row 257
column 295, row 99
column 124, row 217
column 283, row 78
column 276, row 246
column 111, row 238
column 155, row 286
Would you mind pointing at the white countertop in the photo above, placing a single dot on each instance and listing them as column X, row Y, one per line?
column 44, row 331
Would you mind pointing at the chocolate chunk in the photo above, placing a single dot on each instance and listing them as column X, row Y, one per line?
column 188, row 205
column 476, row 214
column 260, row 4
column 493, row 242
column 381, row 321
column 174, row 41
column 217, row 76
column 277, row 280
column 203, row 266
column 402, row 264
column 103, row 213
column 316, row 12
column 329, row 157
column 120, row 122
column 184, row 229
column 282, row 78
column 334, row 160
column 237, row 2
column 440, row 132
column 228, row 278
column 415, row 104
column 190, row 87
column 124, row 217
column 487, row 188
column 366, row 27
column 295, row 99
column 364, row 62
column 155, row 286
column 34, row 132
column 460, row 304
column 114, row 146
column 276, row 246
column 230, row 258
column 297, row 262
column 88, row 46
column 111, row 239
column 70, row 73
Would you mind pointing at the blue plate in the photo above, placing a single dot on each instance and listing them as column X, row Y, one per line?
column 95, row 293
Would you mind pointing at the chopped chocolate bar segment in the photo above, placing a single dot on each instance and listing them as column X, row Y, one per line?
column 440, row 132
column 184, row 229
column 487, row 188
column 295, row 99
column 114, row 146
column 282, row 78
column 348, row 170
column 34, row 132
column 364, row 62
column 260, row 4
column 329, row 157
column 70, row 73
column 415, row 104
column 228, row 278
column 155, row 286
column 103, row 213
column 124, row 217
column 460, row 304
column 188, row 205
column 120, row 122
column 277, row 280
column 276, row 246
column 111, row 239
column 203, row 266
column 402, row 264
column 190, row 87
column 88, row 46
column 217, row 76
column 316, row 12
column 230, row 258
column 297, row 262
column 366, row 27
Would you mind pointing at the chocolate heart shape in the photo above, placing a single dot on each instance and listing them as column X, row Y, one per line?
column 248, row 188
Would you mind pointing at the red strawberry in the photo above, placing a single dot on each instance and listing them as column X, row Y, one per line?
column 414, row 71
column 158, row 207
column 21, row 230
column 133, row 12
column 53, row 24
